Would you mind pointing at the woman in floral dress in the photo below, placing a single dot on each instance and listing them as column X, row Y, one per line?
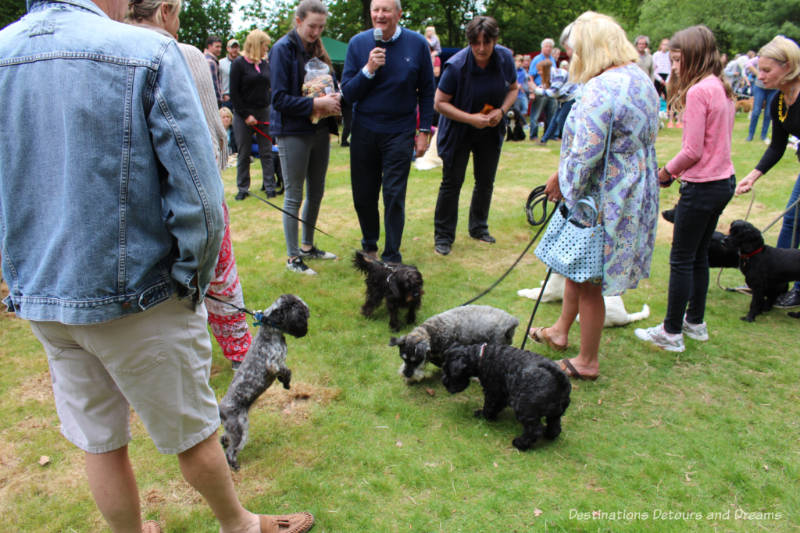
column 619, row 100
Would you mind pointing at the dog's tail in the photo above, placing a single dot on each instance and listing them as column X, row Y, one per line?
column 361, row 261
column 564, row 384
column 641, row 315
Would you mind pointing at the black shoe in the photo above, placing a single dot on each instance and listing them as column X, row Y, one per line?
column 441, row 248
column 788, row 300
column 669, row 215
column 241, row 195
column 485, row 237
column 271, row 194
column 345, row 144
column 263, row 188
column 235, row 365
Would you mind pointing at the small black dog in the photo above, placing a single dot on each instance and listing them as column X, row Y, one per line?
column 720, row 254
column 767, row 270
column 400, row 284
column 534, row 386
column 516, row 121
column 265, row 361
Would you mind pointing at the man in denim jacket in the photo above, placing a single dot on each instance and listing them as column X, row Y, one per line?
column 110, row 208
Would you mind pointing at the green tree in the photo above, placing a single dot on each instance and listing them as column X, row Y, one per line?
column 11, row 11
column 525, row 23
column 201, row 18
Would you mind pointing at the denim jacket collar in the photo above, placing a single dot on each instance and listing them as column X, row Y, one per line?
column 85, row 4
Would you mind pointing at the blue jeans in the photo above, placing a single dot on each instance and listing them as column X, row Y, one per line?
column 542, row 103
column 696, row 216
column 785, row 239
column 521, row 105
column 555, row 127
column 761, row 97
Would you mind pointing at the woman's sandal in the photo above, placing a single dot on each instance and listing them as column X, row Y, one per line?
column 286, row 523
column 569, row 369
column 538, row 335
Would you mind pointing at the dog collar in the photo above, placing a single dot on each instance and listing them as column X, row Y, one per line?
column 751, row 254
column 483, row 348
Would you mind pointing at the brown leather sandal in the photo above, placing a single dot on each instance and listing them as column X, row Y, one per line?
column 538, row 335
column 286, row 523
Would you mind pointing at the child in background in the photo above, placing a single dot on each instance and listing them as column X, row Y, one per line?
column 226, row 116
column 706, row 172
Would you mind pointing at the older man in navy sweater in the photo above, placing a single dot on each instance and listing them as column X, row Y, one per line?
column 386, row 83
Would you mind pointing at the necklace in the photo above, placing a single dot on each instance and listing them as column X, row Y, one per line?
column 782, row 113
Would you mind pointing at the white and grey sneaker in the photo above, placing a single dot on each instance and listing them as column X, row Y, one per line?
column 316, row 253
column 698, row 332
column 672, row 342
column 297, row 265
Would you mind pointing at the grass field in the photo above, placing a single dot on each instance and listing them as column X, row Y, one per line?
column 705, row 440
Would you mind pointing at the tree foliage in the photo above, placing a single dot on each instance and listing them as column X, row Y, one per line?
column 11, row 11
column 201, row 18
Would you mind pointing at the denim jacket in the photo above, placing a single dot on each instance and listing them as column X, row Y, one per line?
column 110, row 198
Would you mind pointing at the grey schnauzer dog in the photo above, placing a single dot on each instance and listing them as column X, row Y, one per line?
column 265, row 361
column 534, row 386
column 468, row 324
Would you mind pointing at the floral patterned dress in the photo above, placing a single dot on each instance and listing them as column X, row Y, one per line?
column 621, row 102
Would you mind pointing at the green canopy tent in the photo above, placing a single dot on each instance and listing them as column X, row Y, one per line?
column 337, row 50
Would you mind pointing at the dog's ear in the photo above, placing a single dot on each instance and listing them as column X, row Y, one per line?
column 394, row 285
column 422, row 348
column 397, row 341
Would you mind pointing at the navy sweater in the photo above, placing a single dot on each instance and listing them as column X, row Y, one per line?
column 291, row 111
column 387, row 103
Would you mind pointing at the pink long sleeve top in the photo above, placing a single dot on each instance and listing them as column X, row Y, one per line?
column 707, row 129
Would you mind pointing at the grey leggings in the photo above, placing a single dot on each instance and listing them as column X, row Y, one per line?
column 304, row 159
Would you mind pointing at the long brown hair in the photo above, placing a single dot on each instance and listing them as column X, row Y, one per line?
column 699, row 58
column 315, row 49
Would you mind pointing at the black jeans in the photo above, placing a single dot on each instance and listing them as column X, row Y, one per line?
column 243, row 134
column 380, row 161
column 485, row 156
column 696, row 216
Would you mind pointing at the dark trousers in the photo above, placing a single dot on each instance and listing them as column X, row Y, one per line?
column 380, row 161
column 696, row 216
column 243, row 134
column 789, row 236
column 482, row 144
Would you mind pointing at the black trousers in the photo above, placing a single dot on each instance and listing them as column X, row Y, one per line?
column 482, row 144
column 696, row 217
column 243, row 134
column 380, row 161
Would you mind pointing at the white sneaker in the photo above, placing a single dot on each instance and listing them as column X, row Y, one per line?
column 297, row 265
column 698, row 332
column 672, row 342
column 316, row 253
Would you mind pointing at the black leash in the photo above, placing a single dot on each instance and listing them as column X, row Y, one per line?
column 291, row 215
column 535, row 308
column 536, row 197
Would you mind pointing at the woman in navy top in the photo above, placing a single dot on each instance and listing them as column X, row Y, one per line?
column 476, row 90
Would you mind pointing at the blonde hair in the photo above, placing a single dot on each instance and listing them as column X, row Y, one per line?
column 597, row 43
column 253, row 43
column 786, row 52
column 149, row 10
column 224, row 111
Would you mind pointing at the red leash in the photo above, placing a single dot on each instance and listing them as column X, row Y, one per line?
column 261, row 132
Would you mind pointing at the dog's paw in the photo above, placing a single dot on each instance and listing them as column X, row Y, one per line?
column 225, row 441
column 478, row 413
column 285, row 377
column 748, row 318
column 522, row 444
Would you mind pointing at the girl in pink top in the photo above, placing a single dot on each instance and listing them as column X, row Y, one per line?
column 705, row 170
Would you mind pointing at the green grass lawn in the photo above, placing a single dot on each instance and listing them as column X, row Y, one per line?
column 705, row 440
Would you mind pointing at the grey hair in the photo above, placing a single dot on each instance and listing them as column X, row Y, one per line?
column 549, row 41
column 149, row 10
column 565, row 33
column 640, row 37
column 396, row 3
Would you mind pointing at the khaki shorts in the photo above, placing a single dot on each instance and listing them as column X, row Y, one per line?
column 157, row 361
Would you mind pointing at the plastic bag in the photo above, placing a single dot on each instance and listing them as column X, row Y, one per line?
column 317, row 82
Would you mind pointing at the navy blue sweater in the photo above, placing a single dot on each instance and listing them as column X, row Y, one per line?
column 387, row 103
column 291, row 112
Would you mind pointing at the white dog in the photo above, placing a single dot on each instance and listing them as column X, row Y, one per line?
column 616, row 315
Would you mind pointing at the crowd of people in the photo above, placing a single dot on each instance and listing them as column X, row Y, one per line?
column 142, row 257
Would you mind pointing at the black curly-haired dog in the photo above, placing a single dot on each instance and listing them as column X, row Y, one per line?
column 265, row 361
column 514, row 127
column 399, row 284
column 533, row 385
column 767, row 270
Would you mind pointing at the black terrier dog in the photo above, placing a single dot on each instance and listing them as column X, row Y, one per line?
column 534, row 386
column 516, row 121
column 399, row 284
column 767, row 270
column 720, row 254
column 265, row 361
